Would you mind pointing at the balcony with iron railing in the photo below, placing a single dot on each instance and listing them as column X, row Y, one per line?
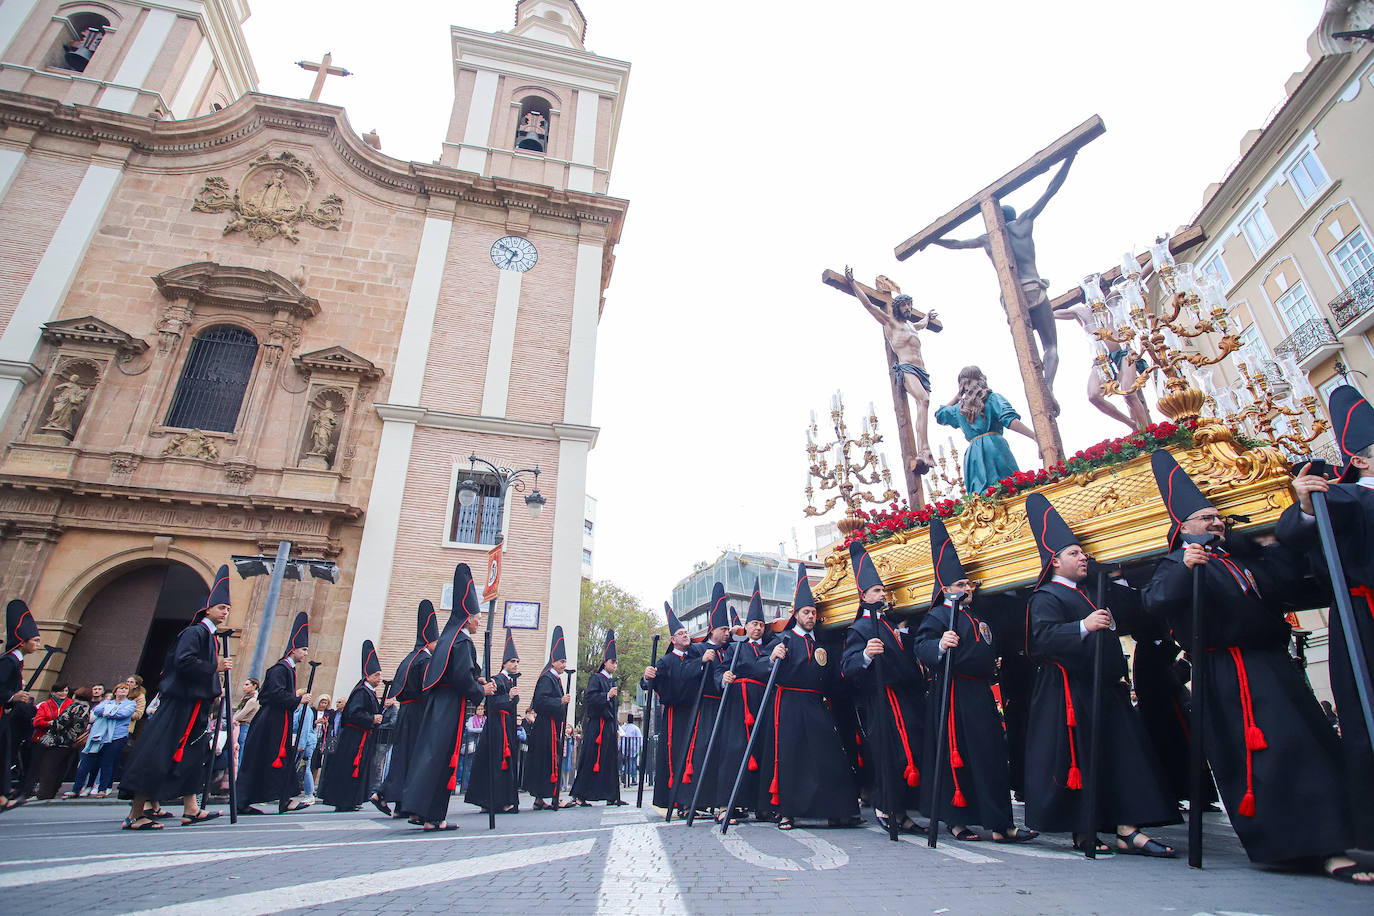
column 1311, row 343
column 1354, row 307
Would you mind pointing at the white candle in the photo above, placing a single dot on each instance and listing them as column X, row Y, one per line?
column 813, row 418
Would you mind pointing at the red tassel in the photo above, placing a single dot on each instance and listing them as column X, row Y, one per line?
column 596, row 767
column 1071, row 720
column 1075, row 778
column 959, row 801
column 753, row 764
column 748, row 718
column 912, row 776
column 1247, row 805
column 1254, row 738
column 956, row 759
column 861, row 760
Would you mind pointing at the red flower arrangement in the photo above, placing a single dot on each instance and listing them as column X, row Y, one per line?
column 883, row 523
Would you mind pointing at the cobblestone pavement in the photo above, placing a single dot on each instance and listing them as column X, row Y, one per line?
column 71, row 857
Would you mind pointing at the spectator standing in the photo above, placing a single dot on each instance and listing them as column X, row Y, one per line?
column 324, row 729
column 471, row 732
column 58, row 700
column 244, row 711
column 140, row 698
column 631, row 739
column 109, row 733
column 65, row 736
column 304, row 721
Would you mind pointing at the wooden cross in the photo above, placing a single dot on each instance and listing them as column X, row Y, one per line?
column 988, row 202
column 906, row 435
column 323, row 71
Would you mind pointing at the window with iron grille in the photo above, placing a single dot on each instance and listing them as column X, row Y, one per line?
column 481, row 523
column 1296, row 307
column 214, row 379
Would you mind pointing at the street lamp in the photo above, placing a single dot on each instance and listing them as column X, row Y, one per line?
column 507, row 479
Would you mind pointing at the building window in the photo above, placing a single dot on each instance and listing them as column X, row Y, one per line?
column 479, row 523
column 214, row 380
column 1258, row 231
column 587, row 525
column 80, row 39
column 1354, row 257
column 586, row 558
column 532, row 130
column 1296, row 307
column 1308, row 176
column 1217, row 268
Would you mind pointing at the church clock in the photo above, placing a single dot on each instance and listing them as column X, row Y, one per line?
column 514, row 253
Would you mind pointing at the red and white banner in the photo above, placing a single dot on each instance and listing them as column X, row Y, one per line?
column 493, row 573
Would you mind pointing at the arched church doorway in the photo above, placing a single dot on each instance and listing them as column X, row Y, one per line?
column 131, row 622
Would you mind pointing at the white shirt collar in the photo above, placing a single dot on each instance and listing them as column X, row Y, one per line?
column 606, row 674
column 756, row 642
column 1068, row 583
column 209, row 625
column 289, row 661
column 800, row 630
column 679, row 653
column 17, row 654
column 1366, row 482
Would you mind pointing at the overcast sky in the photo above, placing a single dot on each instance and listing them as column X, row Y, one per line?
column 764, row 142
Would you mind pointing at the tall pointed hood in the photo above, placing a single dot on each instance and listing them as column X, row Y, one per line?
column 719, row 615
column 801, row 596
column 427, row 624
column 945, row 560
column 673, row 623
column 1352, row 423
column 510, row 655
column 755, row 605
column 558, row 648
column 300, row 634
column 464, row 606
column 865, row 575
column 734, row 618
column 219, row 592
column 1052, row 534
column 608, row 653
column 19, row 624
column 1180, row 494
column 371, row 664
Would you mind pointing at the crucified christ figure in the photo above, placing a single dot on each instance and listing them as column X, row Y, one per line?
column 901, row 329
column 1020, row 228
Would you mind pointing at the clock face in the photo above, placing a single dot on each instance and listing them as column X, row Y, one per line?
column 514, row 253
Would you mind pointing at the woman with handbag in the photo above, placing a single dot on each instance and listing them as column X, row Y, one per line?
column 64, row 737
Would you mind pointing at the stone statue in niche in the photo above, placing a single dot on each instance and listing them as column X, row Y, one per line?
column 65, row 406
column 323, row 434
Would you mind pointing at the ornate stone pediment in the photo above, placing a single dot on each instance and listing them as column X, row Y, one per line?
column 272, row 199
column 339, row 361
column 92, row 331
column 235, row 288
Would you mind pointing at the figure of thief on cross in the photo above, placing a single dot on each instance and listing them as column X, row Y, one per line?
column 1062, row 626
column 879, row 666
column 265, row 774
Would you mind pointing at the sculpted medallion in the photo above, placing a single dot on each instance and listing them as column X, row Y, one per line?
column 272, row 199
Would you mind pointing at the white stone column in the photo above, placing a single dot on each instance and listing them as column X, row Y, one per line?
column 472, row 153
column 11, row 161
column 377, row 549
column 52, row 280
column 138, row 61
column 500, row 352
column 565, row 560
column 583, row 170
column 586, row 312
column 13, row 15
column 194, row 81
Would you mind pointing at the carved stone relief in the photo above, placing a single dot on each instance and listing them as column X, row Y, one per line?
column 272, row 199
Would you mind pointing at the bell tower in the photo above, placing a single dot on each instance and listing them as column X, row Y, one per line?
column 533, row 104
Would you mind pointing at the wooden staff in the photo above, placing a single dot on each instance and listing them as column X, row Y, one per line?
column 42, row 663
column 224, row 717
column 1197, row 760
column 648, row 727
column 562, row 727
column 1359, row 667
column 285, row 801
column 1095, row 723
column 941, row 739
column 749, row 745
column 711, row 743
column 687, row 750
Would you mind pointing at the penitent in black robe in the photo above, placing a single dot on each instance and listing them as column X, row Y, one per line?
column 699, row 735
column 598, row 769
column 1352, row 521
column 344, row 782
column 545, row 737
column 168, row 760
column 1275, row 758
column 11, row 682
column 806, row 772
column 678, row 675
column 890, row 691
column 265, row 773
column 411, row 675
column 975, row 783
column 1164, row 705
column 449, row 699
column 739, row 710
column 1131, row 787
column 498, row 740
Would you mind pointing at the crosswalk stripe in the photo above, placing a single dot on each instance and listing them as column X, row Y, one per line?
column 319, row 893
column 636, row 869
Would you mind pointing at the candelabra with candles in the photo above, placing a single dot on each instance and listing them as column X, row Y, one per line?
column 832, row 466
column 946, row 479
column 1194, row 305
column 1279, row 406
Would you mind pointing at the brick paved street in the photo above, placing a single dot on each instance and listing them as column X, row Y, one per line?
column 71, row 857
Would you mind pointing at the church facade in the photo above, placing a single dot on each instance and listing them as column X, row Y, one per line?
column 228, row 321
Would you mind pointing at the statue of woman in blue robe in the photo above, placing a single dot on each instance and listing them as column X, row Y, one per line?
column 981, row 415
